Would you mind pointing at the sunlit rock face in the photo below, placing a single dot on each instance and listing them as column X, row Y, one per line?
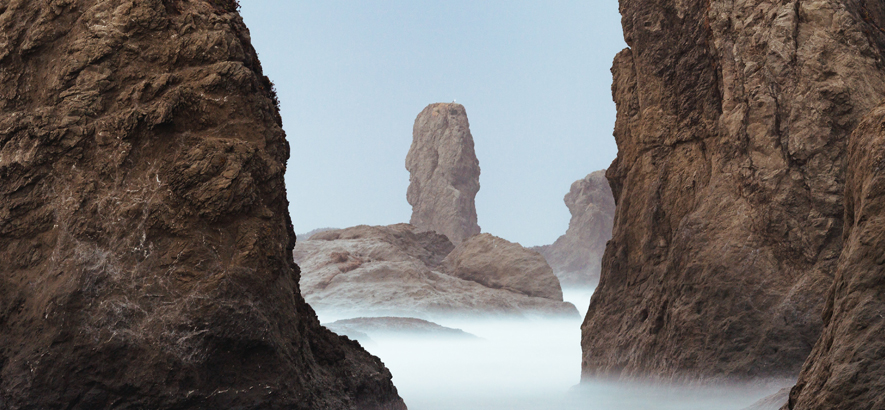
column 443, row 172
column 846, row 369
column 733, row 120
column 400, row 270
column 145, row 241
column 576, row 257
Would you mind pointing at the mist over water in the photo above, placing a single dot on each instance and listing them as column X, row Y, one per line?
column 524, row 364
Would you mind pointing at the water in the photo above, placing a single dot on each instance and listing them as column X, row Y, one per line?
column 524, row 364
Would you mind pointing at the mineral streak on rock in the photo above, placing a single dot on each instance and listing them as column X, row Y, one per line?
column 732, row 124
column 145, row 241
column 443, row 172
column 576, row 256
column 846, row 368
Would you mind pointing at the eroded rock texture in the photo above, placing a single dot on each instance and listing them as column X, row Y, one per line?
column 846, row 369
column 145, row 242
column 576, row 257
column 732, row 127
column 443, row 172
column 400, row 270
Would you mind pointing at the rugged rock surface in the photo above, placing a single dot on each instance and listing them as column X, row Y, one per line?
column 397, row 270
column 846, row 369
column 733, row 120
column 145, row 242
column 576, row 257
column 771, row 402
column 399, row 326
column 443, row 172
column 500, row 264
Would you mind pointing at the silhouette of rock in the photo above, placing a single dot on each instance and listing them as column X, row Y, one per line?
column 443, row 172
column 732, row 128
column 145, row 239
column 576, row 256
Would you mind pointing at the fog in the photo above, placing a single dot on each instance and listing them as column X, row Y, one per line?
column 524, row 364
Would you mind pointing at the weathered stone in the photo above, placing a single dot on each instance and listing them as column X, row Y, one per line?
column 443, row 172
column 397, row 270
column 364, row 327
column 846, row 369
column 576, row 256
column 733, row 119
column 500, row 264
column 145, row 240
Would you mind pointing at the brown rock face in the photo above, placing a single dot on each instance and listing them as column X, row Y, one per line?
column 399, row 270
column 733, row 120
column 145, row 242
column 576, row 257
column 443, row 172
column 500, row 264
column 846, row 369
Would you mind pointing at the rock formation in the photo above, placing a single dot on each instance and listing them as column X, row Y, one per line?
column 846, row 369
column 443, row 172
column 145, row 241
column 576, row 256
column 398, row 270
column 395, row 326
column 500, row 264
column 732, row 126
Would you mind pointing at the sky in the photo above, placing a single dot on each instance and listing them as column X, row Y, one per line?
column 351, row 76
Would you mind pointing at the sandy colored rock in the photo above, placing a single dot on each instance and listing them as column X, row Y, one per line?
column 396, row 271
column 576, row 257
column 500, row 264
column 732, row 125
column 846, row 369
column 145, row 239
column 443, row 172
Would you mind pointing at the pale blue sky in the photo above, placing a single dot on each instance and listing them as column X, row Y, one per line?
column 353, row 75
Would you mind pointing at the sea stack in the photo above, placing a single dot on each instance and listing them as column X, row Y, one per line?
column 145, row 237
column 443, row 173
column 733, row 123
column 576, row 256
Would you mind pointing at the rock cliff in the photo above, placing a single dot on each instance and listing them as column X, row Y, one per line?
column 732, row 127
column 576, row 257
column 846, row 369
column 443, row 172
column 145, row 241
column 399, row 270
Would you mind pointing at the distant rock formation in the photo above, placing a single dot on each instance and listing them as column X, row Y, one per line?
column 395, row 326
column 499, row 264
column 733, row 119
column 443, row 172
column 576, row 256
column 145, row 239
column 398, row 270
column 846, row 368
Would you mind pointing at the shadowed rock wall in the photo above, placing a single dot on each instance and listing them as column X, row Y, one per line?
column 145, row 240
column 732, row 126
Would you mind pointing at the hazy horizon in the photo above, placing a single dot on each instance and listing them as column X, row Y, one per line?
column 352, row 76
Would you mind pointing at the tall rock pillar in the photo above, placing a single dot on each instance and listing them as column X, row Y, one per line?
column 444, row 172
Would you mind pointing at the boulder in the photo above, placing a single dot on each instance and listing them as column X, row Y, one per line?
column 395, row 326
column 443, row 172
column 145, row 238
column 576, row 256
column 499, row 264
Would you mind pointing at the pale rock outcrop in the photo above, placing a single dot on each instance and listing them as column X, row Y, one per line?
column 145, row 238
column 366, row 327
column 500, row 264
column 733, row 120
column 397, row 270
column 443, row 172
column 576, row 256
